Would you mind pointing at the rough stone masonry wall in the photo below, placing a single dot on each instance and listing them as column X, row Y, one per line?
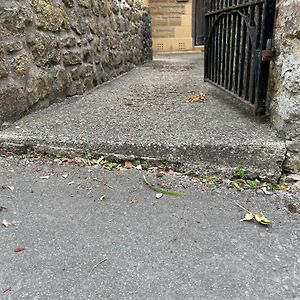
column 51, row 49
column 285, row 80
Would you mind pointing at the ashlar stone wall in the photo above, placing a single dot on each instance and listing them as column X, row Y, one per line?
column 51, row 49
column 285, row 80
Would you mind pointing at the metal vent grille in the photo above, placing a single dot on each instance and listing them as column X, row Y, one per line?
column 181, row 46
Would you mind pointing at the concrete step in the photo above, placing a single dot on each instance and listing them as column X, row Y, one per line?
column 145, row 114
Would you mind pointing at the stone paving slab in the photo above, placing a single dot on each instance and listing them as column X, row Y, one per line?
column 145, row 114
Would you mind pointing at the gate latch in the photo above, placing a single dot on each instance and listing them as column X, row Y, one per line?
column 268, row 55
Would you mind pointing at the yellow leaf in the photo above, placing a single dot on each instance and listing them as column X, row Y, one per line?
column 248, row 217
column 260, row 217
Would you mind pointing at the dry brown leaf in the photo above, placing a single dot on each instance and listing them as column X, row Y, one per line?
column 201, row 97
column 134, row 200
column 128, row 164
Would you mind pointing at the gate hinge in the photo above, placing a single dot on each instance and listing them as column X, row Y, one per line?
column 268, row 55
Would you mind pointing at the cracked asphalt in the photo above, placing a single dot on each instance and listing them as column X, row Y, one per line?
column 76, row 246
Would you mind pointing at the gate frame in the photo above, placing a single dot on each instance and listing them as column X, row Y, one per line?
column 261, row 52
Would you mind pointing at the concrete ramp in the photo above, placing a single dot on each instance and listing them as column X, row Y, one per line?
column 145, row 114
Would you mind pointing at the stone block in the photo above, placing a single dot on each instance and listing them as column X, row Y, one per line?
column 14, row 46
column 15, row 19
column 68, row 3
column 13, row 102
column 68, row 42
column 3, row 70
column 44, row 48
column 20, row 64
column 38, row 86
column 71, row 58
column 84, row 3
column 49, row 17
column 78, row 72
column 292, row 162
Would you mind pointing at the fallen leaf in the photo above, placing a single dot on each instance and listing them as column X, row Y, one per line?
column 235, row 185
column 161, row 191
column 19, row 249
column 158, row 195
column 281, row 187
column 248, row 217
column 128, row 164
column 134, row 200
column 201, row 97
column 260, row 218
column 110, row 166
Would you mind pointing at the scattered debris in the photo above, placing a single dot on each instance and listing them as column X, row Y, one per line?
column 19, row 249
column 110, row 166
column 249, row 216
column 139, row 167
column 293, row 208
column 134, row 200
column 103, row 198
column 265, row 190
column 45, row 177
column 65, row 176
column 2, row 208
column 103, row 182
column 99, row 263
column 158, row 195
column 170, row 172
column 5, row 223
column 128, row 164
column 162, row 191
column 7, row 290
column 201, row 97
column 166, row 185
column 71, row 182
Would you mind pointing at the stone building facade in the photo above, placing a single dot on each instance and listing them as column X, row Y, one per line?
column 177, row 25
column 51, row 49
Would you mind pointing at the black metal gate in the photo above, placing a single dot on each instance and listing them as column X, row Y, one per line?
column 239, row 48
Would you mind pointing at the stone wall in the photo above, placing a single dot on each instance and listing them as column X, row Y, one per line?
column 285, row 72
column 51, row 49
column 285, row 80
